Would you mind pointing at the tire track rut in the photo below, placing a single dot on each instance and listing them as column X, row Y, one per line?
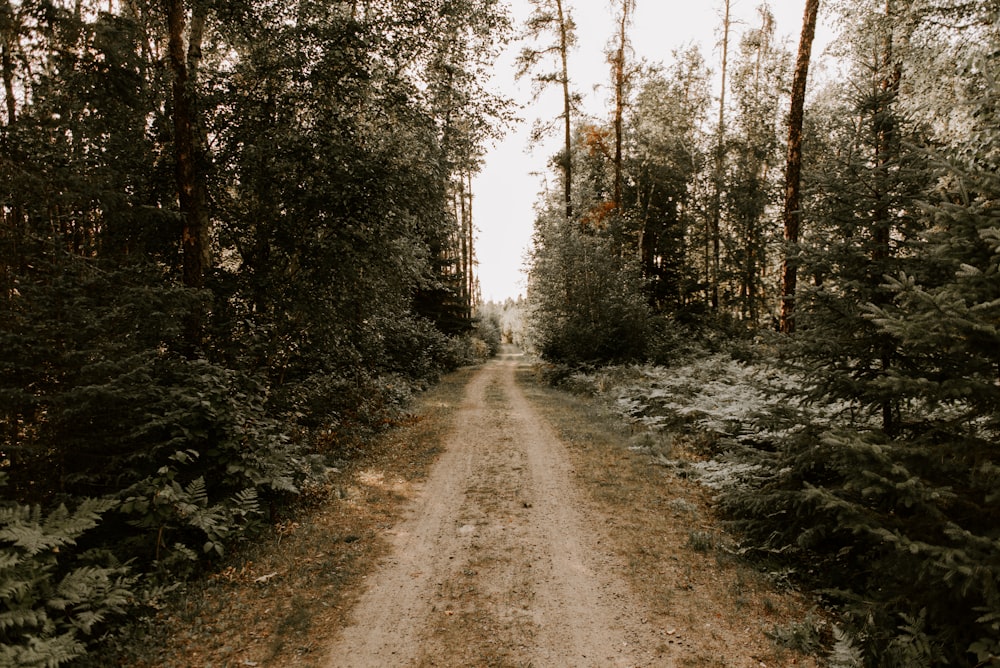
column 496, row 563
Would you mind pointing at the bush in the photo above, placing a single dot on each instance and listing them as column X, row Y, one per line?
column 487, row 330
column 587, row 302
column 55, row 599
column 898, row 533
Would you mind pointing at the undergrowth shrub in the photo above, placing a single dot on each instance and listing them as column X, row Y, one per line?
column 191, row 447
column 413, row 347
column 55, row 598
column 487, row 330
column 899, row 534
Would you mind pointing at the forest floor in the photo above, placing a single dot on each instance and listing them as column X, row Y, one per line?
column 505, row 524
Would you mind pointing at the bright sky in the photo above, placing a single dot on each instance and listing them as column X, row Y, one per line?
column 507, row 189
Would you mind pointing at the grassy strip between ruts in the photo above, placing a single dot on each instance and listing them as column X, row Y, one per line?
column 281, row 601
column 713, row 609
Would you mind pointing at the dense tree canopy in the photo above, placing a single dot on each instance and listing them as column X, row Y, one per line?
column 891, row 507
column 235, row 236
column 229, row 246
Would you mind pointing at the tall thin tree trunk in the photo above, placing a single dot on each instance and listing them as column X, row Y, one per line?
column 471, row 245
column 885, row 152
column 10, row 219
column 793, row 168
column 463, row 244
column 618, row 65
column 564, row 41
column 8, row 68
column 189, row 175
column 713, row 278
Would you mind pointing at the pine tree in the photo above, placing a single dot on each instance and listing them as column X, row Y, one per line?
column 752, row 180
column 666, row 153
column 891, row 505
column 865, row 198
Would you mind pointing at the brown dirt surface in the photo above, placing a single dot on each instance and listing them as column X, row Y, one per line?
column 507, row 525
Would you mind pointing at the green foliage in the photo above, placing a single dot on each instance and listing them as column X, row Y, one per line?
column 844, row 653
column 328, row 143
column 892, row 529
column 890, row 508
column 665, row 154
column 55, row 599
column 804, row 636
column 186, row 445
column 587, row 304
column 870, row 469
column 181, row 522
column 754, row 180
column 488, row 331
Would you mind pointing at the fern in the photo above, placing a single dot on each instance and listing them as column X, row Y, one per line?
column 53, row 600
column 25, row 528
column 48, row 652
column 844, row 653
column 23, row 619
column 912, row 647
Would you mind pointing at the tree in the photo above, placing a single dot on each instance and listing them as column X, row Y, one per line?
column 553, row 18
column 865, row 199
column 752, row 189
column 188, row 157
column 9, row 46
column 336, row 131
column 793, row 169
column 712, row 269
column 620, row 75
column 586, row 301
column 665, row 155
column 892, row 494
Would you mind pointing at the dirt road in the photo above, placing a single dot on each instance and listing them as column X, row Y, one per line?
column 496, row 564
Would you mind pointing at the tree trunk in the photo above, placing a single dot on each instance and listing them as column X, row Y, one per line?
column 188, row 172
column 885, row 152
column 713, row 278
column 465, row 266
column 618, row 67
column 471, row 246
column 10, row 218
column 7, row 46
column 564, row 42
column 793, row 168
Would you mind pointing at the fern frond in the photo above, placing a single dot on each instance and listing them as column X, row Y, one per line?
column 23, row 618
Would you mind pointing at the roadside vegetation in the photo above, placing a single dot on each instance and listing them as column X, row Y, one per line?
column 280, row 599
column 856, row 450
column 685, row 564
column 234, row 241
column 889, row 535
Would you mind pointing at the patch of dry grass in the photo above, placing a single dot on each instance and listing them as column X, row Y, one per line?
column 714, row 610
column 280, row 601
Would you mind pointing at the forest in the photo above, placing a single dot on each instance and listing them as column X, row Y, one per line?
column 809, row 278
column 237, row 237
